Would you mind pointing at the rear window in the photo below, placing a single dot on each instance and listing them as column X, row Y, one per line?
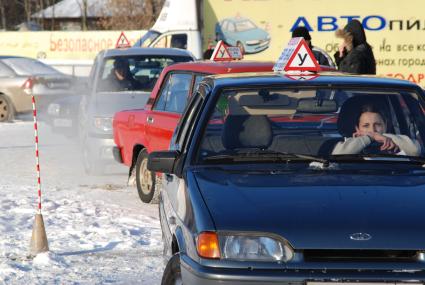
column 28, row 66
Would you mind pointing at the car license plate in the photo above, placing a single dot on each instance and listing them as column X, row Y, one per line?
column 58, row 85
column 363, row 283
column 62, row 123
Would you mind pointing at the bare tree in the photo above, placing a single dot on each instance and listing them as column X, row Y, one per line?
column 2, row 15
column 27, row 5
column 52, row 3
column 83, row 9
column 40, row 8
column 84, row 15
column 28, row 8
column 130, row 14
column 14, row 13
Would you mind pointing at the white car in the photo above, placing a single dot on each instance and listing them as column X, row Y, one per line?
column 104, row 97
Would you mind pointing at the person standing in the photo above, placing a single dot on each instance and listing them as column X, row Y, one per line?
column 321, row 56
column 355, row 55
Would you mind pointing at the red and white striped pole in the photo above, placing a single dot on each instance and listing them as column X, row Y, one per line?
column 37, row 160
column 39, row 238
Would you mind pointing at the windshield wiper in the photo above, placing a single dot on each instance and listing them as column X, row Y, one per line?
column 263, row 155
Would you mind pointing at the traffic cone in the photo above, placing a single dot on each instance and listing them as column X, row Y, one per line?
column 38, row 239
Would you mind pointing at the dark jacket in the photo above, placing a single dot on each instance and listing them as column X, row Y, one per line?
column 360, row 59
column 112, row 84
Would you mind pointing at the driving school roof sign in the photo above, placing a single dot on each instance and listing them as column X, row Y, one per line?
column 223, row 52
column 297, row 56
column 122, row 42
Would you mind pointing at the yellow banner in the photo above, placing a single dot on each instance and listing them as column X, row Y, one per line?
column 62, row 45
column 395, row 29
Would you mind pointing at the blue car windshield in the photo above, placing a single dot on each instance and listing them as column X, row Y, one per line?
column 314, row 122
column 245, row 26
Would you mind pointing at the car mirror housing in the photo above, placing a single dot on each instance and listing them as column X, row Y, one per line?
column 163, row 161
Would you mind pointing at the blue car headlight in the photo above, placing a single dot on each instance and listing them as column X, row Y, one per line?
column 253, row 42
column 254, row 248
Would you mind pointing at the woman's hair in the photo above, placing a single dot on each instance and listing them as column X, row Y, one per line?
column 371, row 109
column 347, row 36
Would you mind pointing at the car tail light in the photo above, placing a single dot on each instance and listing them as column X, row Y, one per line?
column 207, row 245
column 28, row 85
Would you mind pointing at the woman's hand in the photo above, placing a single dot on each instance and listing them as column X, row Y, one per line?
column 341, row 48
column 387, row 143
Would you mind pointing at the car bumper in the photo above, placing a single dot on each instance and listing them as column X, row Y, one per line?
column 194, row 273
column 43, row 101
column 116, row 152
column 256, row 48
column 101, row 147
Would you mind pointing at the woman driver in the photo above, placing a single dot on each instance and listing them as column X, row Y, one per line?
column 371, row 126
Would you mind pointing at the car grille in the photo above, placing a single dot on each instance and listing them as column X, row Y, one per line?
column 361, row 255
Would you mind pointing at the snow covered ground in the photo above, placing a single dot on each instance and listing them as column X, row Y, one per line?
column 98, row 230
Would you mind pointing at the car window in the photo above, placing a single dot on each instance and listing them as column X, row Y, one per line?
column 189, row 115
column 231, row 27
column 173, row 97
column 163, row 96
column 198, row 78
column 94, row 67
column 5, row 71
column 29, row 66
column 134, row 73
column 147, row 39
column 245, row 26
column 223, row 25
column 179, row 41
column 163, row 42
column 320, row 122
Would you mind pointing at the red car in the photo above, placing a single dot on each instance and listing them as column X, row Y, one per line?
column 139, row 132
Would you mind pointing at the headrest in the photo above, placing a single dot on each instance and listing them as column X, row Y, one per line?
column 245, row 131
column 350, row 112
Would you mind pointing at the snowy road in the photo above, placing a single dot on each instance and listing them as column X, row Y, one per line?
column 98, row 230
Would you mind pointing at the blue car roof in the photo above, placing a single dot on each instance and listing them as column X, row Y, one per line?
column 147, row 51
column 321, row 79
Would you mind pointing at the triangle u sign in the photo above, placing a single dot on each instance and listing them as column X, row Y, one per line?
column 302, row 59
column 222, row 52
column 122, row 42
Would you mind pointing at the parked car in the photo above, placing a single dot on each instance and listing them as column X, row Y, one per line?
column 254, row 191
column 107, row 95
column 243, row 33
column 21, row 77
column 141, row 131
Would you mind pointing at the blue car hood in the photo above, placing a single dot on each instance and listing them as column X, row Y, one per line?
column 319, row 210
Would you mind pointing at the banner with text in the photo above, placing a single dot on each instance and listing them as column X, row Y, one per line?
column 62, row 45
column 395, row 29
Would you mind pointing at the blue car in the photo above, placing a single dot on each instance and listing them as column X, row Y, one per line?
column 242, row 32
column 270, row 180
